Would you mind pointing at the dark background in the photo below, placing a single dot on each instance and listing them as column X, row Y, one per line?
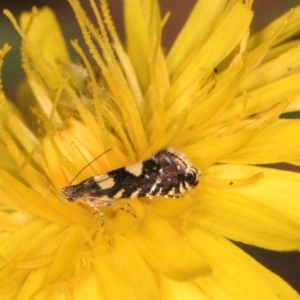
column 286, row 265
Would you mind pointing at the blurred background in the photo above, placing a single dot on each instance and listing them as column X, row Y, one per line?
column 286, row 265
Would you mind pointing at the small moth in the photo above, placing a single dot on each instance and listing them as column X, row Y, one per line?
column 166, row 173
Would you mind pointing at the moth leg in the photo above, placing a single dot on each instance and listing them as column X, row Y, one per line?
column 99, row 212
column 95, row 202
column 128, row 211
column 122, row 206
column 175, row 196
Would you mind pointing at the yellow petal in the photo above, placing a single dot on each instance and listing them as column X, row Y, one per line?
column 294, row 106
column 29, row 258
column 137, row 38
column 201, row 22
column 214, row 103
column 31, row 286
column 175, row 290
column 236, row 275
column 279, row 67
column 7, row 162
column 277, row 143
column 162, row 247
column 226, row 36
column 49, row 43
column 18, row 196
column 277, row 190
column 121, row 271
column 10, row 248
column 213, row 149
column 264, row 98
column 64, row 255
column 113, row 75
column 170, row 208
column 239, row 219
column 265, row 213
column 26, row 101
column 292, row 18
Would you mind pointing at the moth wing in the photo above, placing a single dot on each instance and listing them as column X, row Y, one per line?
column 97, row 201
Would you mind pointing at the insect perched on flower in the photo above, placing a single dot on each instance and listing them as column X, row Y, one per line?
column 166, row 173
column 140, row 98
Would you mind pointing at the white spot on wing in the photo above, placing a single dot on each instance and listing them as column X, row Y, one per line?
column 135, row 169
column 135, row 194
column 181, row 188
column 104, row 181
column 119, row 194
column 171, row 192
column 154, row 186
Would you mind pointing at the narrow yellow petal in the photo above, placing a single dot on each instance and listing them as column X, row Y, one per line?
column 137, row 39
column 31, row 287
column 20, row 197
column 278, row 190
column 121, row 271
column 279, row 67
column 10, row 248
column 49, row 43
column 67, row 251
column 277, row 143
column 220, row 43
column 235, row 273
column 113, row 75
column 295, row 105
column 162, row 247
column 214, row 104
column 292, row 18
column 7, row 162
column 264, row 97
column 240, row 219
column 201, row 22
column 175, row 290
column 88, row 287
column 170, row 208
column 215, row 149
column 15, row 126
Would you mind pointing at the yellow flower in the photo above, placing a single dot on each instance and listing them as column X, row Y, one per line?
column 216, row 96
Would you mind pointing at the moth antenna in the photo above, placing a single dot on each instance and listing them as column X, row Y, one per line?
column 88, row 165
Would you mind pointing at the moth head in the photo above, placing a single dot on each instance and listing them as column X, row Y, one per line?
column 191, row 176
column 74, row 192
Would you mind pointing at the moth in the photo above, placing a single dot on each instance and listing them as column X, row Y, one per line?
column 166, row 173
